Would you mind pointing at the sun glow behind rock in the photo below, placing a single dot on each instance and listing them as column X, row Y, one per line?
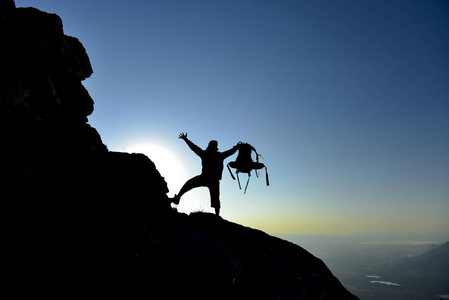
column 167, row 163
column 173, row 169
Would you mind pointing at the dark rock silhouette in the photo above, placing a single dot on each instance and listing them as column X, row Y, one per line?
column 79, row 221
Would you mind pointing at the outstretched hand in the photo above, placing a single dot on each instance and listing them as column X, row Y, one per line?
column 183, row 136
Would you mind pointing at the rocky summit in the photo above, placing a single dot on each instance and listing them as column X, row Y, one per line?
column 80, row 221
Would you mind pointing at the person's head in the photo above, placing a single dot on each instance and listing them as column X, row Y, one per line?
column 213, row 146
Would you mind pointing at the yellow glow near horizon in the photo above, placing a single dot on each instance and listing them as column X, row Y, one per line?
column 341, row 224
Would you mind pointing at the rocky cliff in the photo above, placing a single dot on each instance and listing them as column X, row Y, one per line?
column 79, row 221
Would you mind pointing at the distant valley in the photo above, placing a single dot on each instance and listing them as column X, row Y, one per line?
column 383, row 270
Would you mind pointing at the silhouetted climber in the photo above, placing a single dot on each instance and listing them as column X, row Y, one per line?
column 211, row 173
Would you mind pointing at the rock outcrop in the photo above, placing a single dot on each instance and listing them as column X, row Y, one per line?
column 79, row 221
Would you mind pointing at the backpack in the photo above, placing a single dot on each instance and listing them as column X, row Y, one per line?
column 245, row 164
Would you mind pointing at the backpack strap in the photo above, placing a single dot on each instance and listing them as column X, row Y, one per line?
column 230, row 172
column 266, row 175
column 238, row 180
column 249, row 176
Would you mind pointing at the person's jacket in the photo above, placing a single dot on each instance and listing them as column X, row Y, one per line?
column 211, row 161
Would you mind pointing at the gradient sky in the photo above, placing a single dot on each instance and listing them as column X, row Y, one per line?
column 347, row 101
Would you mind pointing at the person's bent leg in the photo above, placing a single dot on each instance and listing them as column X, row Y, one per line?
column 190, row 184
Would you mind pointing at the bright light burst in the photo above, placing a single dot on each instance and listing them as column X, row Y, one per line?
column 175, row 174
column 167, row 163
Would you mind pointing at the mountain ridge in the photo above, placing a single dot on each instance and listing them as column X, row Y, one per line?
column 427, row 272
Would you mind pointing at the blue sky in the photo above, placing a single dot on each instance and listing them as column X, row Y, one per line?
column 347, row 101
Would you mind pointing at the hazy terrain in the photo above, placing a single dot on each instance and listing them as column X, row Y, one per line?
column 384, row 266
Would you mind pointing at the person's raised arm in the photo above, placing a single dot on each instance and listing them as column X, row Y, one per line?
column 231, row 151
column 189, row 143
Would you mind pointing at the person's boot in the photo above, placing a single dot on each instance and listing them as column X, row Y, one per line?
column 175, row 199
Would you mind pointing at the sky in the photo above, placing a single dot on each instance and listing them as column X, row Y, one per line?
column 347, row 102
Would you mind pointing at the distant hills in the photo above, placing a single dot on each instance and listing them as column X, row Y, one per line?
column 428, row 272
column 435, row 260
column 379, row 271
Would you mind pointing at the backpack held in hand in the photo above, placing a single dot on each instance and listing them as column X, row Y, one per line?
column 245, row 164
